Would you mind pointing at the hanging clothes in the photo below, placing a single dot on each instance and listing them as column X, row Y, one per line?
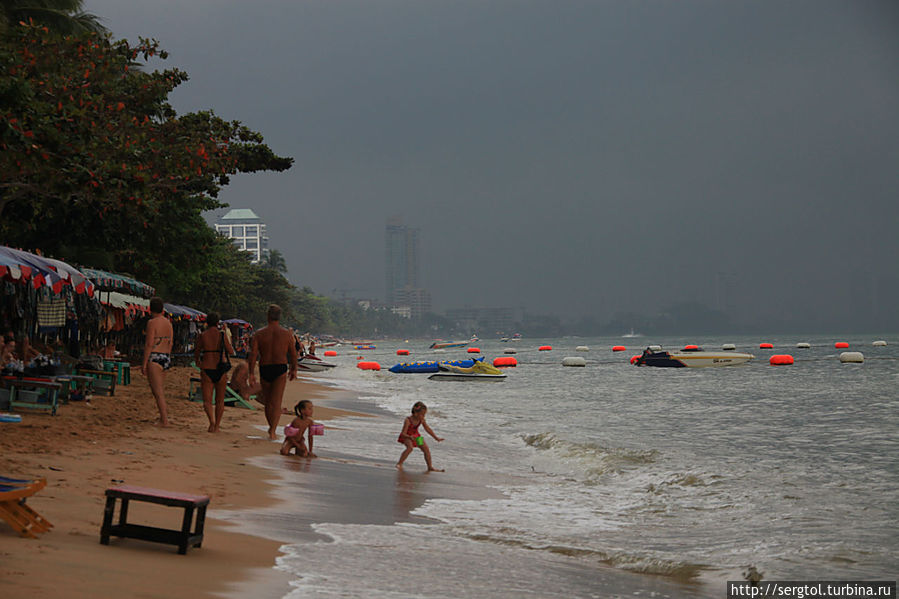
column 51, row 313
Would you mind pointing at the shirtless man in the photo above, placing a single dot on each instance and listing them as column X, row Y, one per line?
column 273, row 346
column 157, row 355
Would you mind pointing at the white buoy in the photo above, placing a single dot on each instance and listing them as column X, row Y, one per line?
column 852, row 357
column 574, row 361
column 510, row 350
column 585, row 348
column 655, row 348
column 728, row 347
column 803, row 345
column 880, row 343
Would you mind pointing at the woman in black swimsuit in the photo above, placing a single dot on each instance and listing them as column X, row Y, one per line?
column 211, row 354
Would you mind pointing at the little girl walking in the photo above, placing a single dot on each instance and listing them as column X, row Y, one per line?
column 293, row 432
column 410, row 437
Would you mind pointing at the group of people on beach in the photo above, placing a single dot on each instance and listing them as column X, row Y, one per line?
column 275, row 348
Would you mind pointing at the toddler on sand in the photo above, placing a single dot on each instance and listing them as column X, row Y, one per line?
column 293, row 432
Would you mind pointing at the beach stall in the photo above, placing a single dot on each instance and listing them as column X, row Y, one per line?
column 186, row 324
column 43, row 301
column 124, row 303
column 241, row 332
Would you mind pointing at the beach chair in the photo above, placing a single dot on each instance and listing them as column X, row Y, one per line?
column 232, row 397
column 23, row 519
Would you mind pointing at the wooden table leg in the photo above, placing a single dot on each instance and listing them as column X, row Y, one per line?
column 107, row 520
column 185, row 528
column 201, row 522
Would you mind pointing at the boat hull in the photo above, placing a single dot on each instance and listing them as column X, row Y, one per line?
column 459, row 376
column 313, row 365
column 448, row 345
column 693, row 359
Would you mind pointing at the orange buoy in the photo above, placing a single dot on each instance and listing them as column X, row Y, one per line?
column 618, row 348
column 368, row 365
column 330, row 353
column 545, row 348
column 634, row 359
column 358, row 357
column 781, row 360
column 691, row 347
column 402, row 352
column 474, row 350
column 841, row 345
column 505, row 362
column 766, row 346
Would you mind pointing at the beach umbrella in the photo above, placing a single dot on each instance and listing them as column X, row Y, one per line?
column 79, row 282
column 108, row 281
column 184, row 313
column 42, row 272
column 11, row 270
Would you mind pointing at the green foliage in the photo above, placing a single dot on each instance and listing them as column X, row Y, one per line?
column 59, row 16
column 94, row 162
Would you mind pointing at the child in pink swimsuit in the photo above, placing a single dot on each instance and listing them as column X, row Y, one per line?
column 411, row 439
column 293, row 432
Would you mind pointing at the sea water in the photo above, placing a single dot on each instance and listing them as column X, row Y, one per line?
column 692, row 474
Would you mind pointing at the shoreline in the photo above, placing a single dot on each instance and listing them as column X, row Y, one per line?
column 91, row 446
column 265, row 509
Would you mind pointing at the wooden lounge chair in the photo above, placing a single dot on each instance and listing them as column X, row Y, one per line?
column 23, row 519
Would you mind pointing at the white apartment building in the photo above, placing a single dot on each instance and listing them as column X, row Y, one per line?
column 246, row 230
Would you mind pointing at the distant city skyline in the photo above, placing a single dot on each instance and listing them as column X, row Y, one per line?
column 579, row 159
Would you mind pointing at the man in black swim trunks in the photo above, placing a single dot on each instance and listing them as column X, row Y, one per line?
column 273, row 346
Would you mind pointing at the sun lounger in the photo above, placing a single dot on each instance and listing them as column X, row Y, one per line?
column 23, row 519
column 232, row 397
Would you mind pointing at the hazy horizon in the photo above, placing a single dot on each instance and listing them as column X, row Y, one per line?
column 575, row 158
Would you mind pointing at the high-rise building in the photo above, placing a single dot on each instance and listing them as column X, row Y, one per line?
column 402, row 250
column 246, row 230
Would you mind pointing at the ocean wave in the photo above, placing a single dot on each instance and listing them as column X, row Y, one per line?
column 600, row 458
column 634, row 562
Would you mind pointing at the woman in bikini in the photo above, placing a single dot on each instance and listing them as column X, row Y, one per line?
column 211, row 355
column 411, row 438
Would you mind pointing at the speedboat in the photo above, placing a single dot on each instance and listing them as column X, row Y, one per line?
column 312, row 363
column 692, row 357
column 440, row 344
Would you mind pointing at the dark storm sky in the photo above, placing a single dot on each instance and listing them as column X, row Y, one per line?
column 570, row 157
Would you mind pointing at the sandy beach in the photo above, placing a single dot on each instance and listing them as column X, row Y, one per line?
column 270, row 516
column 89, row 447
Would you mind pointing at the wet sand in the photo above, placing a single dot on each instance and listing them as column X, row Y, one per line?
column 89, row 447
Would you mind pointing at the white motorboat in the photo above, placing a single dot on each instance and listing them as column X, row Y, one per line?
column 311, row 363
column 691, row 358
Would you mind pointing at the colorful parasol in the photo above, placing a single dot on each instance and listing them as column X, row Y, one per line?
column 24, row 266
column 79, row 282
column 108, row 281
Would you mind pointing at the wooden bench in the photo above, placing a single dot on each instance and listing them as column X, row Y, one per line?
column 182, row 538
column 24, row 393
column 105, row 380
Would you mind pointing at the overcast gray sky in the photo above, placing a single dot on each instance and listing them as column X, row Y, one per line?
column 570, row 157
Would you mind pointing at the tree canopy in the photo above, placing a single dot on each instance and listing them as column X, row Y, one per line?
column 95, row 161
